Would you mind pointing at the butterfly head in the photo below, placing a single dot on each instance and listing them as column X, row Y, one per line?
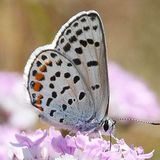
column 108, row 125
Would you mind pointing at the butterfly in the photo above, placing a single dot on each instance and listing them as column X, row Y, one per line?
column 67, row 81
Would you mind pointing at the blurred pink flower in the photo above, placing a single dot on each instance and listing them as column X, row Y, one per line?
column 7, row 134
column 76, row 147
column 14, row 109
column 59, row 143
column 130, row 97
column 31, row 144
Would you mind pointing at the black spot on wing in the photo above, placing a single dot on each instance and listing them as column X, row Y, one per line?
column 51, row 85
column 44, row 57
column 69, row 64
column 67, row 47
column 83, row 43
column 70, row 101
column 49, row 100
column 61, row 120
column 64, row 107
column 72, row 39
column 95, row 86
column 86, row 28
column 57, row 74
column 38, row 63
column 78, row 32
column 92, row 63
column 90, row 41
column 76, row 79
column 54, row 94
column 83, row 20
column 53, row 55
column 34, row 72
column 32, row 83
column 81, row 95
column 95, row 27
column 62, row 40
column 33, row 101
column 78, row 50
column 52, row 112
column 64, row 89
column 75, row 24
column 53, row 78
column 77, row 61
column 92, row 16
column 33, row 95
column 96, row 44
column 68, row 31
column 67, row 75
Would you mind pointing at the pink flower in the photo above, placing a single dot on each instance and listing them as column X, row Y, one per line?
column 7, row 134
column 14, row 109
column 78, row 147
column 31, row 145
column 59, row 143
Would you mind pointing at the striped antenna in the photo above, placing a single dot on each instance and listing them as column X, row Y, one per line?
column 136, row 120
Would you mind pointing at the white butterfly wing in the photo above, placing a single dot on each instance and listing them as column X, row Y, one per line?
column 57, row 89
column 82, row 41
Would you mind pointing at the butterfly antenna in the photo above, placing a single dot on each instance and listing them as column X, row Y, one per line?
column 136, row 120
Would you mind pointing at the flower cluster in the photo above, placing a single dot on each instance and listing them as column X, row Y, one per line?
column 7, row 135
column 51, row 145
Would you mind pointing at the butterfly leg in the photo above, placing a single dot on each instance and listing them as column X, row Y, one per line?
column 110, row 140
column 100, row 134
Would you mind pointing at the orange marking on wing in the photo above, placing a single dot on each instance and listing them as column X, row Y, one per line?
column 39, row 76
column 40, row 96
column 38, row 101
column 43, row 68
column 37, row 86
column 39, row 107
column 48, row 62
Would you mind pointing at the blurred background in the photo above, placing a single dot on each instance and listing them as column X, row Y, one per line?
column 133, row 37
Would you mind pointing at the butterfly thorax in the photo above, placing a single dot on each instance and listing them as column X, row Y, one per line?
column 105, row 125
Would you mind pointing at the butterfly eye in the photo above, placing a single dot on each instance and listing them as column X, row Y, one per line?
column 106, row 125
